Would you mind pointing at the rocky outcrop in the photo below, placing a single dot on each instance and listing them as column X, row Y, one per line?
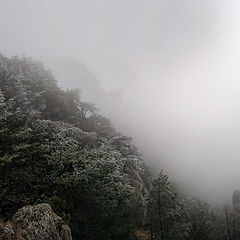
column 37, row 222
column 134, row 165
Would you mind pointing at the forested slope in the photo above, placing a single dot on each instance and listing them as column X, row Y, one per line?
column 55, row 148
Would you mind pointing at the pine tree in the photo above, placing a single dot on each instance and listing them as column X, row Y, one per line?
column 164, row 211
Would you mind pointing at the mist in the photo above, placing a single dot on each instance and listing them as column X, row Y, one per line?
column 165, row 72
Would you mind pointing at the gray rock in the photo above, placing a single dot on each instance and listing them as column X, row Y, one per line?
column 8, row 230
column 42, row 223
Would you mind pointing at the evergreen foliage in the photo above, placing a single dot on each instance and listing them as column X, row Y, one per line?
column 55, row 148
column 164, row 211
column 58, row 149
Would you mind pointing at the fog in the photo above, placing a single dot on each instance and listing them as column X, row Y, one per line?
column 166, row 72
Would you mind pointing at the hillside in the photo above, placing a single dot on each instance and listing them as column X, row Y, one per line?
column 55, row 148
column 58, row 152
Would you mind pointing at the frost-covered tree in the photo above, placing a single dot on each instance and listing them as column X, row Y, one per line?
column 164, row 211
column 55, row 148
column 201, row 218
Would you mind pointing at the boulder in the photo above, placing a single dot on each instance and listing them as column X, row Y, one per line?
column 37, row 222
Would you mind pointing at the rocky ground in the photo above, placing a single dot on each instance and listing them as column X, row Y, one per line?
column 37, row 222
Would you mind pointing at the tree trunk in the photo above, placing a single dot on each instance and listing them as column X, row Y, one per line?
column 228, row 225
